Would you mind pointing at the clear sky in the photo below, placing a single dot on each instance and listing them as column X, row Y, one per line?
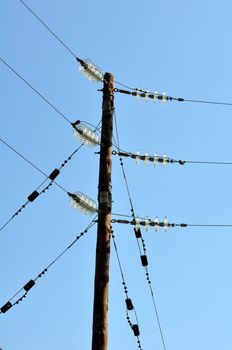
column 180, row 46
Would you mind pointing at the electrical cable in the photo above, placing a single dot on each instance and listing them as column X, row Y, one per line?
column 127, row 87
column 49, row 29
column 36, row 91
column 32, row 282
column 24, row 158
column 209, row 102
column 33, row 165
column 35, row 194
column 140, row 236
column 207, row 162
column 129, row 304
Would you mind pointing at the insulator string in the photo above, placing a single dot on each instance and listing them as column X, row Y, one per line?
column 128, row 300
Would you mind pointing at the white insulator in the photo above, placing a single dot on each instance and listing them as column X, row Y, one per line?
column 83, row 203
column 86, row 135
column 165, row 160
column 164, row 97
column 146, row 158
column 146, row 95
column 147, row 223
column 137, row 157
column 137, row 95
column 166, row 224
column 137, row 223
column 155, row 159
column 156, row 224
column 90, row 71
column 155, row 96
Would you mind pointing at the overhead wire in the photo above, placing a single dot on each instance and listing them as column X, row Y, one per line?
column 35, row 194
column 48, row 28
column 142, row 256
column 129, row 304
column 35, row 90
column 32, row 164
column 32, row 282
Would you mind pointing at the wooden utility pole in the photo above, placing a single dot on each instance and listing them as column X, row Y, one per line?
column 101, row 283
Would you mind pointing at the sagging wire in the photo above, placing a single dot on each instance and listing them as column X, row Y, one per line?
column 138, row 93
column 139, row 238
column 31, row 283
column 129, row 304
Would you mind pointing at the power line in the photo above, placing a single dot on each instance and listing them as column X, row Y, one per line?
column 32, row 282
column 49, row 29
column 139, row 236
column 207, row 162
column 34, row 166
column 129, row 304
column 23, row 157
column 209, row 102
column 35, row 194
column 35, row 90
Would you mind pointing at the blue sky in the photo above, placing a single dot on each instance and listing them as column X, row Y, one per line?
column 181, row 47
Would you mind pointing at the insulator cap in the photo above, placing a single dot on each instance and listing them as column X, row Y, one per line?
column 29, row 285
column 129, row 304
column 6, row 307
column 33, row 196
